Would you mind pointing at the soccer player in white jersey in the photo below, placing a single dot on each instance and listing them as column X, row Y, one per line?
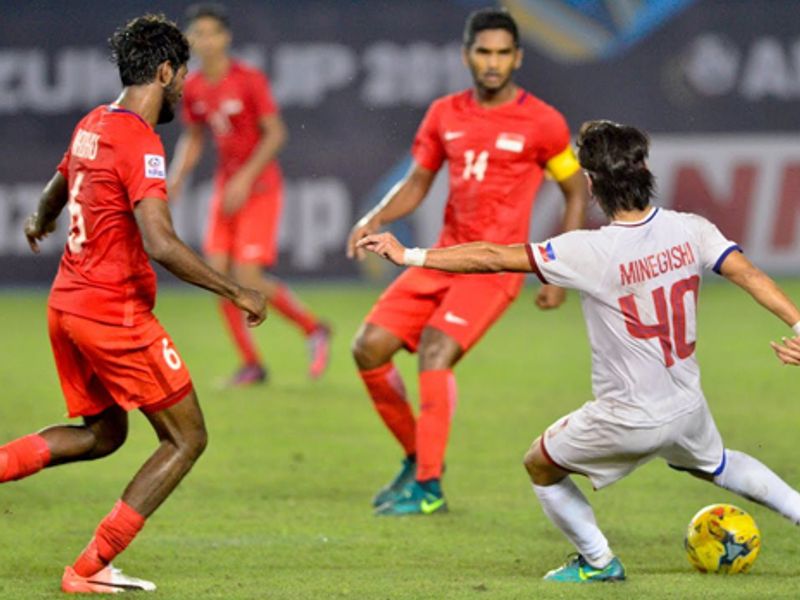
column 639, row 279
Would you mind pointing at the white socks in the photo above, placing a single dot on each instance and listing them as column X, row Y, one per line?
column 746, row 476
column 570, row 511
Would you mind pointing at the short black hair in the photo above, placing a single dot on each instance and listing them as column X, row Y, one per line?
column 141, row 45
column 210, row 10
column 489, row 18
column 614, row 156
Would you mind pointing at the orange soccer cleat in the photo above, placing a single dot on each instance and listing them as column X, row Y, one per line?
column 106, row 581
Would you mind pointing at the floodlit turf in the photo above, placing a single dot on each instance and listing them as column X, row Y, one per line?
column 279, row 506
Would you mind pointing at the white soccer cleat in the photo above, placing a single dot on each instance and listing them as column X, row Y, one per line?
column 109, row 580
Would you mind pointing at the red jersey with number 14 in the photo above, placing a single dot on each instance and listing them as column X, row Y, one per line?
column 497, row 158
column 114, row 160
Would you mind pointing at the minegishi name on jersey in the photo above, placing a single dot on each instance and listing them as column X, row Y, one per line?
column 653, row 265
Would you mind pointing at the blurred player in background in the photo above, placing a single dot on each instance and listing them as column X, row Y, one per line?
column 498, row 140
column 234, row 101
column 639, row 279
column 111, row 353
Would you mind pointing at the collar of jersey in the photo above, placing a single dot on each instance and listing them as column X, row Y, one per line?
column 639, row 223
column 116, row 108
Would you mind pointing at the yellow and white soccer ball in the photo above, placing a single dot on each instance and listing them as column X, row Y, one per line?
column 722, row 538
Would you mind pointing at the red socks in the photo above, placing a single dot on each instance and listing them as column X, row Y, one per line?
column 388, row 393
column 291, row 308
column 234, row 319
column 111, row 537
column 23, row 457
column 437, row 390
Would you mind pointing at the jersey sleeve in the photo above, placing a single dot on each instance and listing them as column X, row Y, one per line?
column 568, row 260
column 188, row 113
column 428, row 149
column 143, row 169
column 556, row 153
column 713, row 247
column 63, row 166
column 261, row 94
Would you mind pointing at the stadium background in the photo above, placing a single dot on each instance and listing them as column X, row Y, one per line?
column 717, row 82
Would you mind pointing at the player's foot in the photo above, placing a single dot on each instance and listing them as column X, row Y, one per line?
column 577, row 570
column 247, row 375
column 319, row 350
column 394, row 489
column 107, row 581
column 416, row 499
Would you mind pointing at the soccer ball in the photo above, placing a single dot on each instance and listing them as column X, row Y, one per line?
column 722, row 539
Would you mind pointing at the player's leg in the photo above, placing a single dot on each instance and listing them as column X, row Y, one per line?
column 698, row 449
column 182, row 438
column 281, row 298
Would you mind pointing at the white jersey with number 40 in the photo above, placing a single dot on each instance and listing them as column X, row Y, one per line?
column 639, row 284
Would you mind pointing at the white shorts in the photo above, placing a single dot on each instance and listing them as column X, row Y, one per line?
column 590, row 442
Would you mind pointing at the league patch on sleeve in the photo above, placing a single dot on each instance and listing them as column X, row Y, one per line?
column 546, row 252
column 155, row 166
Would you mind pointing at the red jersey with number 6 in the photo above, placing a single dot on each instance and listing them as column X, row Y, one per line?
column 497, row 158
column 115, row 160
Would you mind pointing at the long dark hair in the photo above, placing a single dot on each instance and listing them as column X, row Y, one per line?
column 614, row 157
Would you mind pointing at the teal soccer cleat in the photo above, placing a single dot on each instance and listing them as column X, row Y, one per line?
column 577, row 570
column 416, row 500
column 394, row 489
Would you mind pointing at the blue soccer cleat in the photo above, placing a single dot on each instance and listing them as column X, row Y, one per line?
column 394, row 489
column 416, row 499
column 577, row 570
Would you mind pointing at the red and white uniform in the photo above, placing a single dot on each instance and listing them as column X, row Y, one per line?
column 639, row 285
column 108, row 346
column 232, row 108
column 497, row 158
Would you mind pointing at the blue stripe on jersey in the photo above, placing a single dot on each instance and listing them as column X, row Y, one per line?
column 723, row 256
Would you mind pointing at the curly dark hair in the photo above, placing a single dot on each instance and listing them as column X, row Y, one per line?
column 143, row 44
column 489, row 18
column 614, row 156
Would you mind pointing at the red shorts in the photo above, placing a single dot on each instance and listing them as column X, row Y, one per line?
column 462, row 306
column 100, row 365
column 251, row 234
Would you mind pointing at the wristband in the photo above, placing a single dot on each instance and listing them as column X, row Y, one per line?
column 415, row 257
column 796, row 328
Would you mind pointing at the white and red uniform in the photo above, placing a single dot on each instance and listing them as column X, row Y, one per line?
column 639, row 284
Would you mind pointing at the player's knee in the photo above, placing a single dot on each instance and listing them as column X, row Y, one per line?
column 435, row 356
column 193, row 444
column 532, row 461
column 365, row 350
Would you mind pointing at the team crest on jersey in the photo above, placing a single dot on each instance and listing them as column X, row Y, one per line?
column 512, row 142
column 154, row 166
column 546, row 252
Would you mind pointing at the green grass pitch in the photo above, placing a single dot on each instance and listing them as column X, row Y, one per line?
column 279, row 506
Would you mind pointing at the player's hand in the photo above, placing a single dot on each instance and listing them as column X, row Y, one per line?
column 550, row 296
column 360, row 230
column 385, row 245
column 788, row 352
column 36, row 231
column 254, row 304
column 235, row 193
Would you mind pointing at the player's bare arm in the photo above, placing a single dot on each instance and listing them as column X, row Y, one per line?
column 737, row 269
column 163, row 245
column 475, row 257
column 400, row 201
column 188, row 151
column 273, row 137
column 43, row 222
column 573, row 188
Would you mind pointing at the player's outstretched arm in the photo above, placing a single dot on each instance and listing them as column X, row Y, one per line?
column 475, row 257
column 163, row 245
column 768, row 294
column 400, row 201
column 43, row 222
column 188, row 151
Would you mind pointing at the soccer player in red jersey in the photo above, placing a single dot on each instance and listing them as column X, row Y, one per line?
column 234, row 101
column 498, row 140
column 111, row 353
